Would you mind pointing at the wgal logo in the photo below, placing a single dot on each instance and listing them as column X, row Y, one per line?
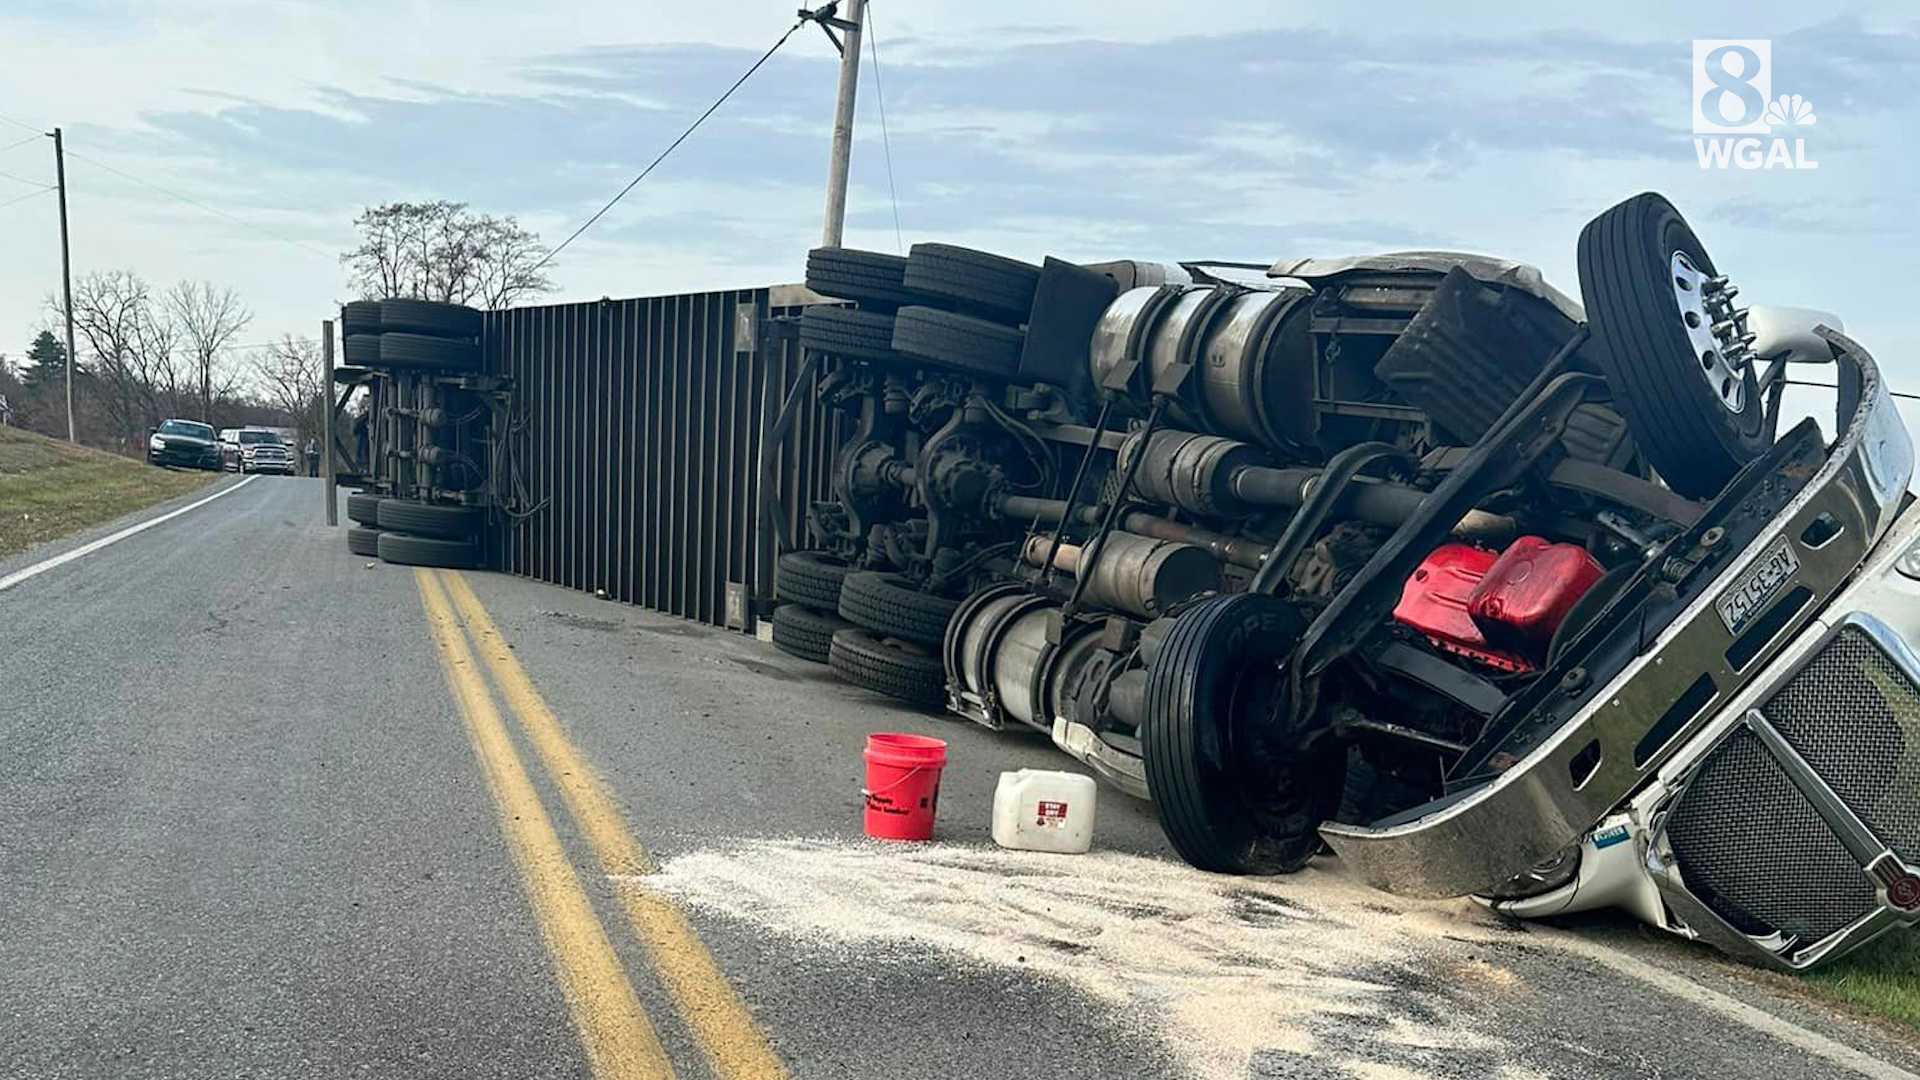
column 1737, row 122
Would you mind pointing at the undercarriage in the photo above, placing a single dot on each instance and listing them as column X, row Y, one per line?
column 1409, row 555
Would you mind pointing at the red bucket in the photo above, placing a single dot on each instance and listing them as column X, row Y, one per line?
column 903, row 785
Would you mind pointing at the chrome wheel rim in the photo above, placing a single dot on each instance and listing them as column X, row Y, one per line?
column 1716, row 330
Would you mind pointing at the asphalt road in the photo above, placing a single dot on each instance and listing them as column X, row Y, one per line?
column 269, row 809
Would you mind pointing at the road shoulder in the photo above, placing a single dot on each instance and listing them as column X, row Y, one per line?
column 49, row 549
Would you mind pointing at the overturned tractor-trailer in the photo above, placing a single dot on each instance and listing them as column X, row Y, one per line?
column 1411, row 555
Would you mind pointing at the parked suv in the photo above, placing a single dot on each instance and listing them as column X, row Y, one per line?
column 187, row 443
column 251, row 450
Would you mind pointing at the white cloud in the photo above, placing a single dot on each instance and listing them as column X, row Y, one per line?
column 1401, row 135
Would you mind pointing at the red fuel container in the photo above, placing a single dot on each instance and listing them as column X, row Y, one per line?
column 1434, row 601
column 1525, row 595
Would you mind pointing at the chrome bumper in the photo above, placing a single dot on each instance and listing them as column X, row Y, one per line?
column 1548, row 799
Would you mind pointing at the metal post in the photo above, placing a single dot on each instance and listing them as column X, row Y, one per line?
column 66, row 267
column 326, row 421
column 843, row 124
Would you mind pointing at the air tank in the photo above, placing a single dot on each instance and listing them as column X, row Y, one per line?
column 1138, row 575
column 1251, row 351
column 1001, row 664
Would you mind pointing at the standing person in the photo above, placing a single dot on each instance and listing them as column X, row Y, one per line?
column 313, row 457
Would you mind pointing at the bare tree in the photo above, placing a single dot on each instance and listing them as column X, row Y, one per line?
column 511, row 268
column 127, row 348
column 207, row 320
column 445, row 251
column 158, row 363
column 107, row 309
column 383, row 264
column 290, row 373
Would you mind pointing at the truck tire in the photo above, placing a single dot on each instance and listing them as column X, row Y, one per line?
column 1368, row 793
column 888, row 666
column 871, row 279
column 890, row 606
column 865, row 335
column 419, row 518
column 812, row 578
column 805, row 633
column 363, row 541
column 363, row 507
column 1695, row 419
column 1229, row 798
column 425, row 353
column 362, row 350
column 961, row 342
column 360, row 317
column 979, row 282
column 429, row 318
column 396, row 547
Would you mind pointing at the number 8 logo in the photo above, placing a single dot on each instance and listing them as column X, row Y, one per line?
column 1739, row 85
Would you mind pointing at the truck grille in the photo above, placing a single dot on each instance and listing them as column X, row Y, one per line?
column 1855, row 716
column 1753, row 849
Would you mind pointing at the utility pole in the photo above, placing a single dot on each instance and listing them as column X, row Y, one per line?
column 842, row 114
column 66, row 268
column 326, row 421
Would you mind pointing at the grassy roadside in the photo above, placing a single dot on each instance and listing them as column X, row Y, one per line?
column 49, row 488
column 1882, row 979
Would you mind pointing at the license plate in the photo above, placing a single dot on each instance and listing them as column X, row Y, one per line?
column 1752, row 593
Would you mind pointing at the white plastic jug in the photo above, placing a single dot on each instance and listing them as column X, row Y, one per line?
column 1043, row 810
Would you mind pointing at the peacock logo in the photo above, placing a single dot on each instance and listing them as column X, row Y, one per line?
column 1790, row 110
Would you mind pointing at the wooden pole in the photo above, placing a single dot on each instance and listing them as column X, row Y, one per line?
column 837, row 163
column 326, row 422
column 66, row 268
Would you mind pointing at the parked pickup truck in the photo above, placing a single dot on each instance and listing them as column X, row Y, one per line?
column 254, row 450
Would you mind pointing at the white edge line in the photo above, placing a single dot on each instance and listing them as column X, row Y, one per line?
column 1813, row 1043
column 86, row 549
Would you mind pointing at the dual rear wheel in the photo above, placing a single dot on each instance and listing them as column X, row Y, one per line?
column 876, row 630
column 413, row 532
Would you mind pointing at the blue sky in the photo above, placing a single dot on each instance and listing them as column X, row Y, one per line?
column 1085, row 130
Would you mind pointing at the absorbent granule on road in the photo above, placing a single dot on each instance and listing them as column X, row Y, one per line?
column 1235, row 974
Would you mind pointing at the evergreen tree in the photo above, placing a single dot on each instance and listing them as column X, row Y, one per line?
column 46, row 364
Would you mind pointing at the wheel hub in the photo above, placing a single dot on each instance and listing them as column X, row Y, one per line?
column 1716, row 329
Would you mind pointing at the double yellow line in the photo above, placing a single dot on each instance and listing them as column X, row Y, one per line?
column 620, row 1040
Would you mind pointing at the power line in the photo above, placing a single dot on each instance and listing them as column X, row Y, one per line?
column 631, row 184
column 886, row 144
column 37, row 133
column 271, row 344
column 190, row 201
column 197, row 203
column 28, row 195
column 1830, row 386
column 24, row 180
